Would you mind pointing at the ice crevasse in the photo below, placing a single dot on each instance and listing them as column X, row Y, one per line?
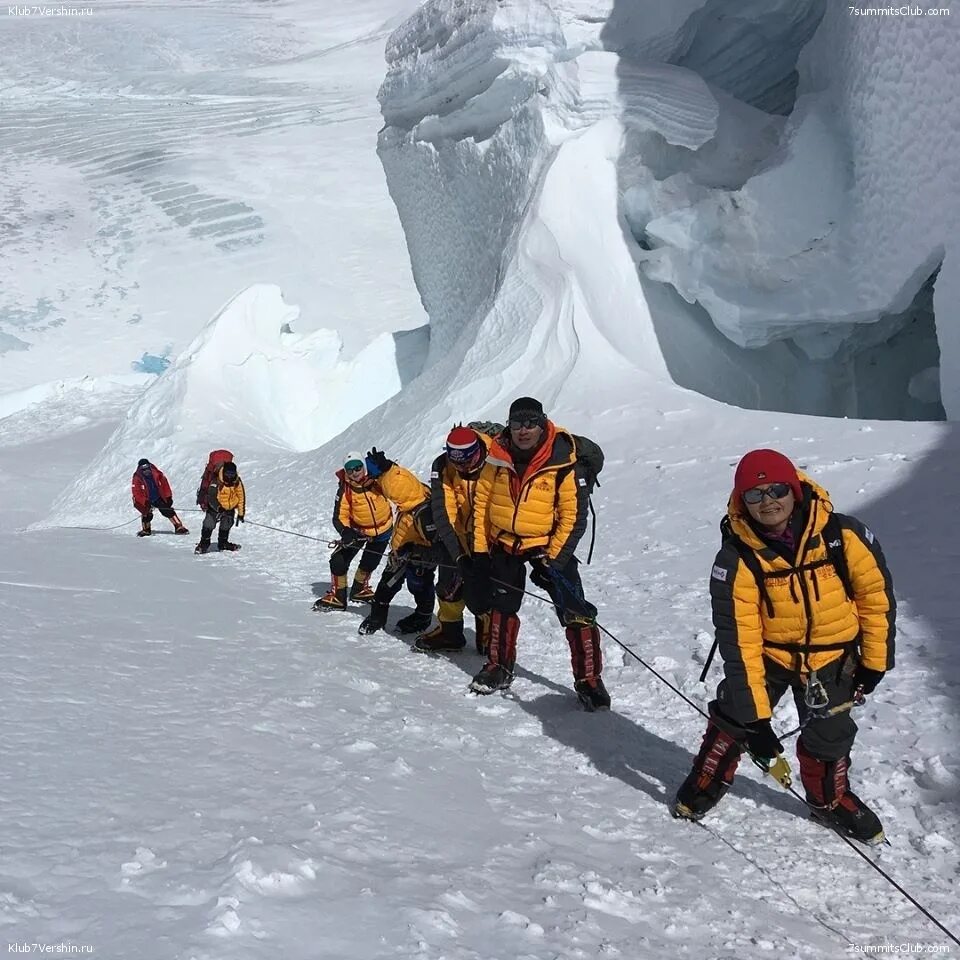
column 752, row 199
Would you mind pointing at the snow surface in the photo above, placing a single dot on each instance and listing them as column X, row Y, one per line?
column 200, row 767
column 157, row 158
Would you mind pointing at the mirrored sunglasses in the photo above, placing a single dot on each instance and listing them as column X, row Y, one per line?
column 776, row 491
column 527, row 423
column 354, row 466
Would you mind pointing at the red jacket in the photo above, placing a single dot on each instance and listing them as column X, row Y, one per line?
column 140, row 488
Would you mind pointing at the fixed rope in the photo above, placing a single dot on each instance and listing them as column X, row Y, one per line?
column 565, row 584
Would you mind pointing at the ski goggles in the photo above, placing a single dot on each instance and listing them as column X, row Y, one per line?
column 527, row 423
column 353, row 466
column 776, row 491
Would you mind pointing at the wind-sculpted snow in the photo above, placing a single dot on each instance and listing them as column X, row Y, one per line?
column 464, row 142
column 247, row 382
column 889, row 84
column 757, row 220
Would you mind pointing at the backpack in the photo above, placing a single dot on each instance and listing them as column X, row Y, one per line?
column 216, row 460
column 590, row 458
column 487, row 427
column 832, row 536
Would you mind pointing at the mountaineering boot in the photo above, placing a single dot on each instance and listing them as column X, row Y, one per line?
column 712, row 773
column 481, row 626
column 360, row 591
column 832, row 802
column 491, row 678
column 851, row 816
column 497, row 672
column 144, row 530
column 376, row 619
column 336, row 597
column 202, row 547
column 446, row 635
column 415, row 622
column 583, row 638
column 178, row 526
column 592, row 694
column 226, row 546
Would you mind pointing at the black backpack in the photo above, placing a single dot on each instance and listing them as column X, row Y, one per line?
column 590, row 458
column 832, row 536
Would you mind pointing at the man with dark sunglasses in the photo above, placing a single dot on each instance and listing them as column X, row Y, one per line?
column 531, row 508
column 802, row 601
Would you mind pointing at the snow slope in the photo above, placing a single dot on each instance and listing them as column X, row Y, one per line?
column 158, row 158
column 250, row 779
column 201, row 767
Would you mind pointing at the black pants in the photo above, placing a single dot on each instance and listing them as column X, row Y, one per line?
column 827, row 738
column 164, row 508
column 224, row 517
column 453, row 587
column 509, row 577
column 373, row 551
column 414, row 569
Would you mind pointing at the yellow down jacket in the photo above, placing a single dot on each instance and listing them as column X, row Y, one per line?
column 454, row 500
column 800, row 616
column 361, row 507
column 545, row 508
column 408, row 494
column 224, row 496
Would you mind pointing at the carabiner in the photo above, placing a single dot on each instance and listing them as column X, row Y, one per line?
column 815, row 695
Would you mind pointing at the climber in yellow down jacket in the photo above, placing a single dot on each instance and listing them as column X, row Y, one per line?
column 531, row 508
column 413, row 556
column 802, row 600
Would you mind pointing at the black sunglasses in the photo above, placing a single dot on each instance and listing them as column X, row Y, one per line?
column 527, row 423
column 776, row 491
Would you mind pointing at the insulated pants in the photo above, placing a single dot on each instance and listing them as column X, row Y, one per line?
column 225, row 518
column 373, row 551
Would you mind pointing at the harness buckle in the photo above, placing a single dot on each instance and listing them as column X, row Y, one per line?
column 815, row 695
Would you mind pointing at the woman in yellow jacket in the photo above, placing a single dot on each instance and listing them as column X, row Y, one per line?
column 802, row 601
column 363, row 517
column 224, row 500
column 531, row 508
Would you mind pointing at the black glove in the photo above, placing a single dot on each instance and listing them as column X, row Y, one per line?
column 348, row 537
column 762, row 742
column 377, row 462
column 865, row 679
column 239, row 518
column 465, row 565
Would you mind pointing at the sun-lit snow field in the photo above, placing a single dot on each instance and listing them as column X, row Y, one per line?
column 197, row 765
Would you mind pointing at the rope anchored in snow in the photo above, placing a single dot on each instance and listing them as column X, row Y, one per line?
column 780, row 771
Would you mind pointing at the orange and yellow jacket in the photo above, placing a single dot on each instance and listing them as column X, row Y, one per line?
column 408, row 494
column 806, row 620
column 222, row 496
column 544, row 508
column 361, row 507
column 454, row 499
